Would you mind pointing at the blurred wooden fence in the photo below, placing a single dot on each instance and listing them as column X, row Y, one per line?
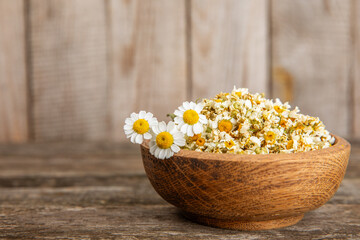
column 74, row 69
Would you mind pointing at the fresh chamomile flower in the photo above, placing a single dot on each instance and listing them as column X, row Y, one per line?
column 138, row 125
column 189, row 119
column 167, row 140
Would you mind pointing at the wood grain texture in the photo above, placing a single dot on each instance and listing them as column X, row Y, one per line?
column 45, row 197
column 147, row 59
column 13, row 81
column 157, row 221
column 229, row 42
column 248, row 192
column 311, row 50
column 69, row 76
column 356, row 70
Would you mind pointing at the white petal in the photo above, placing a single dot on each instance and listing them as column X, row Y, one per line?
column 192, row 105
column 148, row 116
column 139, row 139
column 179, row 126
column 162, row 126
column 152, row 121
column 199, row 107
column 197, row 128
column 178, row 135
column 142, row 114
column 134, row 116
column 133, row 137
column 127, row 132
column 181, row 108
column 179, row 113
column 202, row 119
column 156, row 129
column 147, row 135
column 179, row 141
column 178, row 120
column 186, row 105
column 175, row 148
column 174, row 130
column 162, row 154
column 189, row 131
column 184, row 128
column 128, row 127
column 129, row 135
column 168, row 153
column 170, row 126
column 153, row 148
column 157, row 152
column 129, row 121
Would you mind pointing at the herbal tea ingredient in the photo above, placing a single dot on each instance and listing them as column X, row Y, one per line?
column 244, row 123
column 236, row 122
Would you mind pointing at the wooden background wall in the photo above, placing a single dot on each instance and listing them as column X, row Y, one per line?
column 74, row 69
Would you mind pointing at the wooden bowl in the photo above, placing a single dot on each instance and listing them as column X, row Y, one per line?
column 248, row 192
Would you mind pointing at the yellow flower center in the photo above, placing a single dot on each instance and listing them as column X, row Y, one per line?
column 191, row 117
column 229, row 144
column 289, row 144
column 195, row 137
column 238, row 94
column 283, row 123
column 270, row 136
column 299, row 126
column 141, row 126
column 200, row 141
column 225, row 126
column 278, row 109
column 164, row 140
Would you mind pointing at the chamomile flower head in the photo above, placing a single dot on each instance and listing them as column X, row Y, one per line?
column 243, row 123
column 138, row 125
column 167, row 140
column 189, row 119
column 238, row 122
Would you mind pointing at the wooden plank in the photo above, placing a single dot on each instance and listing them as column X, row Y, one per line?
column 160, row 222
column 130, row 188
column 93, row 159
column 147, row 59
column 68, row 50
column 13, row 82
column 33, row 169
column 356, row 70
column 97, row 194
column 68, row 149
column 311, row 50
column 82, row 213
column 229, row 42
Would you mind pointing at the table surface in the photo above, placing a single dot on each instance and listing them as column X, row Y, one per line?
column 99, row 190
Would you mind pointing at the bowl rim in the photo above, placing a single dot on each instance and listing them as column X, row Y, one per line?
column 340, row 144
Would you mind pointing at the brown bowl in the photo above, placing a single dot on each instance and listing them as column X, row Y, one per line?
column 248, row 192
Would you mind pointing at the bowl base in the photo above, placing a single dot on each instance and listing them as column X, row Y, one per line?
column 245, row 225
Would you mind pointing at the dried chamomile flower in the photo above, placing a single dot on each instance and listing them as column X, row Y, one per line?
column 244, row 123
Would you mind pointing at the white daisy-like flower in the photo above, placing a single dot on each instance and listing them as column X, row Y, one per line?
column 137, row 126
column 166, row 140
column 189, row 119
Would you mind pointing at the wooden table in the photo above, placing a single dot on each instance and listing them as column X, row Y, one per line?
column 93, row 191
